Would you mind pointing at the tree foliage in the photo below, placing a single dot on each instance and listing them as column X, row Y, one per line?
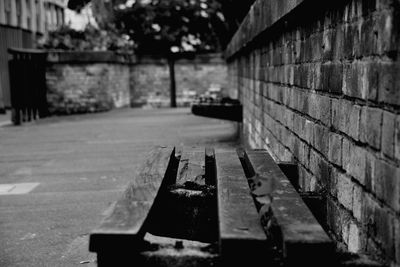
column 91, row 38
column 165, row 26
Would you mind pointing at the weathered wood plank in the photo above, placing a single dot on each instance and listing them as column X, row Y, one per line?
column 191, row 166
column 301, row 233
column 126, row 224
column 240, row 230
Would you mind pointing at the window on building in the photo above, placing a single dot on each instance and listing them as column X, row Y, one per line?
column 18, row 5
column 28, row 14
column 38, row 15
column 7, row 7
column 48, row 17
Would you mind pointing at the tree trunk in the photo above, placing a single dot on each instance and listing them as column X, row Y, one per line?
column 171, row 65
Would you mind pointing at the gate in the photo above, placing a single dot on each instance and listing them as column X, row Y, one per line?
column 27, row 84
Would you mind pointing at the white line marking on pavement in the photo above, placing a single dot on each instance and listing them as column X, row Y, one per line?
column 5, row 188
column 17, row 189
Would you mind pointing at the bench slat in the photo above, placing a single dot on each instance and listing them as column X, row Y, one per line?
column 130, row 212
column 239, row 225
column 301, row 233
column 191, row 166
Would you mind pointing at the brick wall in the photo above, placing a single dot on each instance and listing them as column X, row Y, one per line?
column 150, row 76
column 320, row 85
column 79, row 82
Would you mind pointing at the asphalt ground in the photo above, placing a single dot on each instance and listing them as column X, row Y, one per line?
column 58, row 176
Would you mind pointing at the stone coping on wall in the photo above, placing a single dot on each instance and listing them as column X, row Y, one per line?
column 209, row 58
column 262, row 15
column 57, row 56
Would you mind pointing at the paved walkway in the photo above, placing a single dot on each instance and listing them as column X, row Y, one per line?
column 5, row 119
column 58, row 175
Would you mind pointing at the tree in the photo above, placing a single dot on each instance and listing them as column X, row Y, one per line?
column 170, row 28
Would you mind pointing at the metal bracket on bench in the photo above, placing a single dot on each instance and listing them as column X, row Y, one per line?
column 231, row 112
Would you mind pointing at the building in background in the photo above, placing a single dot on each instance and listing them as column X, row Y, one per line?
column 21, row 22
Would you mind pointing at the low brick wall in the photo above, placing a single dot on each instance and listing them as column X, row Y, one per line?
column 150, row 76
column 320, row 84
column 79, row 82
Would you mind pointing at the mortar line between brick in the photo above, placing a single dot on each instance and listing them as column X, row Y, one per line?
column 334, row 130
column 340, row 169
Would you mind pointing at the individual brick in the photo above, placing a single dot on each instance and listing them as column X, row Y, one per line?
column 321, row 139
column 334, row 216
column 384, row 223
column 320, row 108
column 288, row 97
column 389, row 82
column 335, row 172
column 336, row 112
column 357, row 163
column 388, row 132
column 316, row 83
column 350, row 39
column 387, row 33
column 304, row 153
column 335, row 149
column 379, row 224
column 345, row 191
column 332, row 77
column 352, row 79
column 294, row 98
column 325, row 110
column 345, row 230
column 397, row 239
column 316, row 46
column 299, row 72
column 354, row 121
column 344, row 115
column 327, row 44
column 346, row 154
column 296, row 148
column 303, row 100
column 386, row 183
column 338, row 43
column 371, row 80
column 354, row 244
column 289, row 74
column 368, row 39
column 307, row 51
column 324, row 171
column 313, row 165
column 358, row 202
column 349, row 118
column 397, row 138
column 309, row 132
column 370, row 126
column 257, row 95
column 369, row 170
column 298, row 125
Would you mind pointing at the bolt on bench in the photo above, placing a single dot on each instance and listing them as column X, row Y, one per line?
column 195, row 207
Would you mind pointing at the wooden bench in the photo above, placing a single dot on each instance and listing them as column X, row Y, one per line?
column 194, row 207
